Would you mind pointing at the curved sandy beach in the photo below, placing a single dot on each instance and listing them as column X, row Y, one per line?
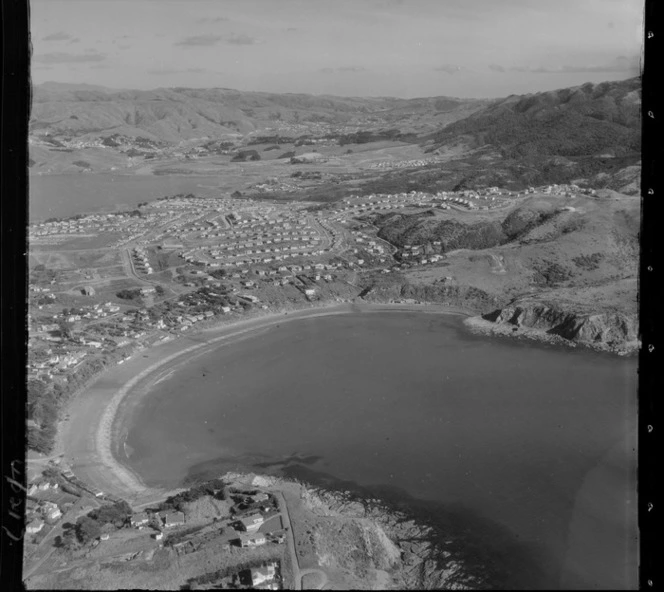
column 89, row 439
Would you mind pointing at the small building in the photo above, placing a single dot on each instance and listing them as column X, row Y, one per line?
column 260, row 575
column 279, row 538
column 251, row 523
column 139, row 519
column 274, row 585
column 259, row 497
column 173, row 519
column 35, row 526
column 252, row 540
column 52, row 514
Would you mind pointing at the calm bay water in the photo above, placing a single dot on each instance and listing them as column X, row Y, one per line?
column 533, row 442
column 62, row 196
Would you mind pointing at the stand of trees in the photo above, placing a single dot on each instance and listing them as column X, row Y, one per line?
column 129, row 294
column 216, row 487
column 244, row 155
column 89, row 527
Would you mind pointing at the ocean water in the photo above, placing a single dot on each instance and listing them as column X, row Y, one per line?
column 62, row 196
column 526, row 452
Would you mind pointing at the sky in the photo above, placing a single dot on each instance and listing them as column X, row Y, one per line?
column 400, row 48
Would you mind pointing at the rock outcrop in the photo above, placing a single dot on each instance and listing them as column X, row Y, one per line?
column 609, row 331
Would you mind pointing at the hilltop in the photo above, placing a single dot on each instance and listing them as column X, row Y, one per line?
column 592, row 131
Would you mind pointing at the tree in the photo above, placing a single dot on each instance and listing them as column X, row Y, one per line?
column 116, row 514
column 66, row 329
column 128, row 294
column 87, row 529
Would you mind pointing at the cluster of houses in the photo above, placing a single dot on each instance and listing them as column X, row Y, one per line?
column 443, row 199
column 41, row 296
column 263, row 245
column 116, row 141
column 87, row 312
column 168, row 520
column 373, row 246
column 40, row 512
column 207, row 226
column 416, row 254
column 274, row 185
column 98, row 223
column 403, row 164
column 61, row 358
column 251, row 511
column 93, row 311
column 140, row 260
column 57, row 362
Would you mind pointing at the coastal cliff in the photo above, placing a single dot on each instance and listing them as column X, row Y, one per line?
column 469, row 298
column 607, row 331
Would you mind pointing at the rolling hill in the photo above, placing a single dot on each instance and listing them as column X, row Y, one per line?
column 175, row 114
column 588, row 135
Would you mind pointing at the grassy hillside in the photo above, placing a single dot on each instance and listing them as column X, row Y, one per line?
column 181, row 113
column 588, row 120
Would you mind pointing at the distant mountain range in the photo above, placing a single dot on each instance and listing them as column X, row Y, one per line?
column 175, row 114
column 589, row 133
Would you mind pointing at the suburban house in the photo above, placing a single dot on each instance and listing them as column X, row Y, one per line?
column 139, row 519
column 260, row 575
column 173, row 519
column 35, row 526
column 268, row 586
column 251, row 523
column 252, row 540
column 259, row 497
column 51, row 511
